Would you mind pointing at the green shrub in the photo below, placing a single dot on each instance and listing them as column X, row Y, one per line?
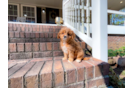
column 120, row 51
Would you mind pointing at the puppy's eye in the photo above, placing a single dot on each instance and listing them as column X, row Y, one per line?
column 68, row 34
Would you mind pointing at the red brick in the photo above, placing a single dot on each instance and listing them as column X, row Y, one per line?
column 42, row 54
column 50, row 35
column 12, row 47
column 54, row 30
column 9, row 24
column 58, row 74
column 10, row 65
column 54, row 35
column 16, row 80
column 80, row 71
column 57, row 53
column 27, row 34
column 17, row 35
column 17, row 40
column 97, row 67
column 14, row 28
column 37, row 29
column 46, row 75
column 76, row 85
column 22, row 29
column 49, row 39
column 90, row 83
column 11, row 34
column 42, row 46
column 42, row 39
column 41, row 30
column 49, row 46
column 59, row 47
column 28, row 47
column 88, row 69
column 20, row 47
column 13, row 56
column 30, row 29
column 58, row 58
column 10, row 28
column 19, row 61
column 15, row 68
column 32, row 35
column 35, row 40
column 46, row 35
column 31, row 78
column 37, row 35
column 22, row 34
column 34, row 29
column 35, row 46
column 50, row 29
column 55, row 46
column 70, row 72
column 97, row 82
column 27, row 29
column 42, row 35
column 41, row 59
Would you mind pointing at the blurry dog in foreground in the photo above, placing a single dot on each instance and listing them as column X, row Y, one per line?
column 70, row 47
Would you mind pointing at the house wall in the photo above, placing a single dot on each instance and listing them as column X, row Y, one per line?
column 43, row 14
column 115, row 41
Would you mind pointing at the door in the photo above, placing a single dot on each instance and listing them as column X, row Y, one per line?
column 51, row 14
column 39, row 15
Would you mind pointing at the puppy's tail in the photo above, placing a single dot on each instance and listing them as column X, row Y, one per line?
column 86, row 58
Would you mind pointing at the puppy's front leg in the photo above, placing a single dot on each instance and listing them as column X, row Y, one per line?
column 71, row 56
column 65, row 56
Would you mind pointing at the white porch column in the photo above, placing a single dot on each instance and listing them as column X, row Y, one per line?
column 99, row 29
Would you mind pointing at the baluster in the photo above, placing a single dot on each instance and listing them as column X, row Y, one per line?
column 75, row 14
column 88, row 18
column 82, row 16
column 79, row 15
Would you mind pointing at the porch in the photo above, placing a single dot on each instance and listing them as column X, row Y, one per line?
column 36, row 43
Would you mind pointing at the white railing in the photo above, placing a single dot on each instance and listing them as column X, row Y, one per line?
column 73, row 16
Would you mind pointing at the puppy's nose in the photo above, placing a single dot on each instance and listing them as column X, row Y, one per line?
column 65, row 36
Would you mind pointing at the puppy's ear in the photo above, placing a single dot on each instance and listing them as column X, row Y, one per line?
column 58, row 36
column 72, row 34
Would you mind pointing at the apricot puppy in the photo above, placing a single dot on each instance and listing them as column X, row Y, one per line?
column 69, row 46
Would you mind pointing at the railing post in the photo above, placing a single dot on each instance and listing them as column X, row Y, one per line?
column 88, row 18
column 75, row 14
column 79, row 15
column 82, row 14
column 99, row 29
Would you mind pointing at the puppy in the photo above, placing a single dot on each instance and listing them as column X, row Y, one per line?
column 69, row 46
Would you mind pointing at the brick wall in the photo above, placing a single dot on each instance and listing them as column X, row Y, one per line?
column 116, row 41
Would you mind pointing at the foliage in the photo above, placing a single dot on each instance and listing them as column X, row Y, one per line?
column 120, row 51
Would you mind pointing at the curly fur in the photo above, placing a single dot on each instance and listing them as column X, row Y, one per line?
column 70, row 47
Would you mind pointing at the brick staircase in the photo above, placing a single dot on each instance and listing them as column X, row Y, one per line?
column 35, row 61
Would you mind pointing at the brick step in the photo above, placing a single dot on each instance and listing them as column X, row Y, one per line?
column 28, row 40
column 20, row 27
column 21, row 37
column 52, row 72
column 35, row 50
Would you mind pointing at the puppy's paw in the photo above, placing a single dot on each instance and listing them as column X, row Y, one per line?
column 64, row 58
column 77, row 60
column 70, row 60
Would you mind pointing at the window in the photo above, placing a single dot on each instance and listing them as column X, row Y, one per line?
column 29, row 13
column 12, row 12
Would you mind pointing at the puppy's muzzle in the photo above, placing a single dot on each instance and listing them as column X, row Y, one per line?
column 65, row 36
